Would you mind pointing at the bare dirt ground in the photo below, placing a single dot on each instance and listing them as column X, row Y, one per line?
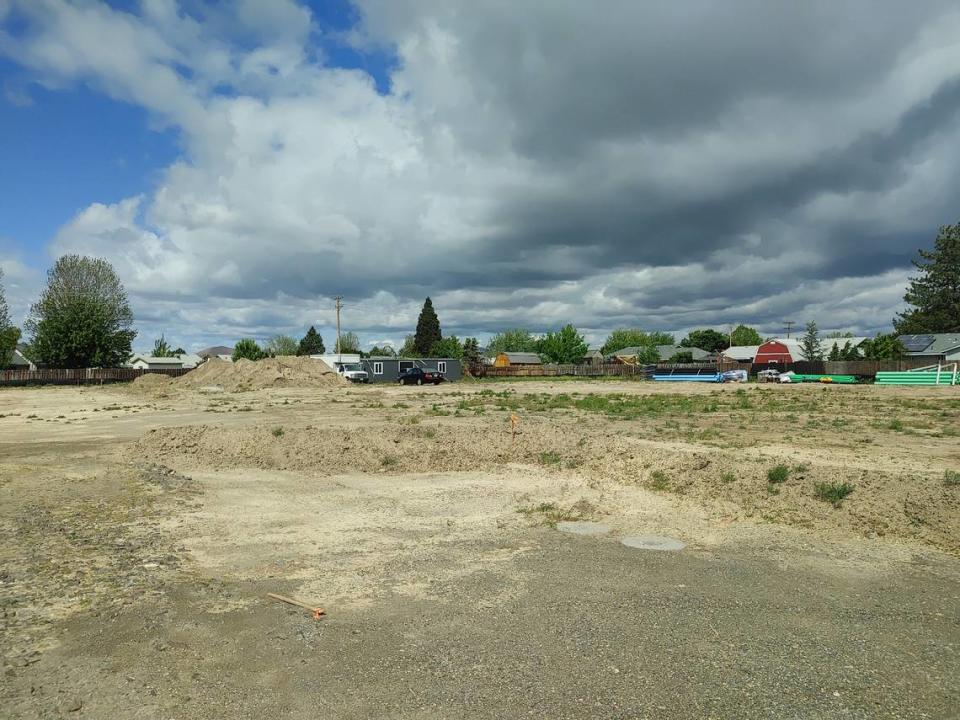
column 141, row 528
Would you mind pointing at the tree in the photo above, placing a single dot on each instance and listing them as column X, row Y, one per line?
column 311, row 343
column 385, row 350
column 935, row 291
column 409, row 348
column 471, row 352
column 745, row 335
column 282, row 345
column 248, row 349
column 709, row 340
column 428, row 329
column 449, row 347
column 83, row 317
column 810, row 343
column 849, row 352
column 684, row 356
column 563, row 347
column 631, row 337
column 883, row 347
column 349, row 343
column 161, row 349
column 8, row 333
column 513, row 340
column 179, row 351
column 835, row 353
column 838, row 335
column 648, row 354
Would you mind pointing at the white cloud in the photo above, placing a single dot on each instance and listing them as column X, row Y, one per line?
column 531, row 166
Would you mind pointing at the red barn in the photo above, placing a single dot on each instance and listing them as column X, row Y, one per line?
column 778, row 351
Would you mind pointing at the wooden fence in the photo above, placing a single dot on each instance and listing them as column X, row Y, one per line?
column 82, row 376
column 861, row 368
column 584, row 370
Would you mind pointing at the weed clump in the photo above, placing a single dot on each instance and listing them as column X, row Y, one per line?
column 549, row 457
column 832, row 492
column 778, row 474
column 951, row 478
column 659, row 480
column 277, row 432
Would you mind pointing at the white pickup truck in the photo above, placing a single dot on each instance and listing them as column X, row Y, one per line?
column 353, row 372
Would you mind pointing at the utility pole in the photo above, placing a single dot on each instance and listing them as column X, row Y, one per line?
column 338, row 303
column 789, row 324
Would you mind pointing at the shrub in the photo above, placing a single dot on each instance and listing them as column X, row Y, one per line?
column 778, row 474
column 277, row 432
column 832, row 492
column 951, row 478
column 248, row 349
column 659, row 480
column 549, row 458
column 728, row 477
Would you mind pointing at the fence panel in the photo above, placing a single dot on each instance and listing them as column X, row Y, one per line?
column 80, row 376
column 584, row 370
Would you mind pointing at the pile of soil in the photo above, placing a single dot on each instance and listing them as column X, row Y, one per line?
column 283, row 371
column 153, row 381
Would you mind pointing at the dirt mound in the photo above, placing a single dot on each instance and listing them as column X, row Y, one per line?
column 283, row 371
column 153, row 381
column 882, row 503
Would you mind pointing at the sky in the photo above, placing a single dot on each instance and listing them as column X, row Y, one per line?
column 666, row 166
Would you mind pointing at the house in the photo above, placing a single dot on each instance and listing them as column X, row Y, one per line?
column 741, row 353
column 790, row 350
column 945, row 346
column 593, row 357
column 218, row 351
column 513, row 359
column 388, row 369
column 141, row 361
column 625, row 356
column 191, row 360
column 19, row 361
column 668, row 351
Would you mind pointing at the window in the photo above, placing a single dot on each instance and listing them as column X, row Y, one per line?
column 378, row 368
column 441, row 367
column 405, row 365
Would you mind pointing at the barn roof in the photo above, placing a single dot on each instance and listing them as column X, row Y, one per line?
column 522, row 358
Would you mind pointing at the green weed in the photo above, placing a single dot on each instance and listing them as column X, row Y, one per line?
column 832, row 492
column 778, row 474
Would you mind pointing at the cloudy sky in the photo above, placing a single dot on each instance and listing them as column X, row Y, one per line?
column 661, row 165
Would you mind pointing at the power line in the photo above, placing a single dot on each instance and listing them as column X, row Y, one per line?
column 789, row 324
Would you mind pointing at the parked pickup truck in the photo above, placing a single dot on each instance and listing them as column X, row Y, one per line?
column 353, row 372
column 419, row 376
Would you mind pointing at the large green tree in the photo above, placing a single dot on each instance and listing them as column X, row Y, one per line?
column 83, row 317
column 162, row 349
column 513, row 340
column 631, row 337
column 449, row 347
column 471, row 352
column 282, row 345
column 311, row 343
column 349, row 343
column 810, row 343
column 745, row 335
column 428, row 329
column 8, row 333
column 883, row 347
column 563, row 347
column 935, row 292
column 247, row 349
column 709, row 339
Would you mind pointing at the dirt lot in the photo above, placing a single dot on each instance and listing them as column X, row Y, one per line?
column 141, row 528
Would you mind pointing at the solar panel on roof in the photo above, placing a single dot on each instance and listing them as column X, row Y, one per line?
column 916, row 343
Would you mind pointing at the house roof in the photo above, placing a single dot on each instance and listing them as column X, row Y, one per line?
column 522, row 358
column 741, row 352
column 931, row 343
column 795, row 347
column 153, row 360
column 668, row 351
column 19, row 359
column 627, row 351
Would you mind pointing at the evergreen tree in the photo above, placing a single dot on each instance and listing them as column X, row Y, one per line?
column 810, row 343
column 935, row 291
column 471, row 352
column 834, row 352
column 428, row 329
column 311, row 343
column 849, row 352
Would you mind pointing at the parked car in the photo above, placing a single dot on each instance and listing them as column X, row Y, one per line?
column 419, row 376
column 353, row 372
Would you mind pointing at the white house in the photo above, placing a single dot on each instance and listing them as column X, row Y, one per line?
column 190, row 360
column 149, row 362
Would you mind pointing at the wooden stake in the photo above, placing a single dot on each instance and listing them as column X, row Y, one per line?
column 318, row 612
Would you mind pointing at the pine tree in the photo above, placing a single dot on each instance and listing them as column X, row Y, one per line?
column 428, row 329
column 935, row 292
column 471, row 352
column 810, row 344
column 834, row 352
column 311, row 343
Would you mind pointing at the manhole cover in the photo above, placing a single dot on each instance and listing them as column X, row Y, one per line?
column 652, row 542
column 583, row 528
